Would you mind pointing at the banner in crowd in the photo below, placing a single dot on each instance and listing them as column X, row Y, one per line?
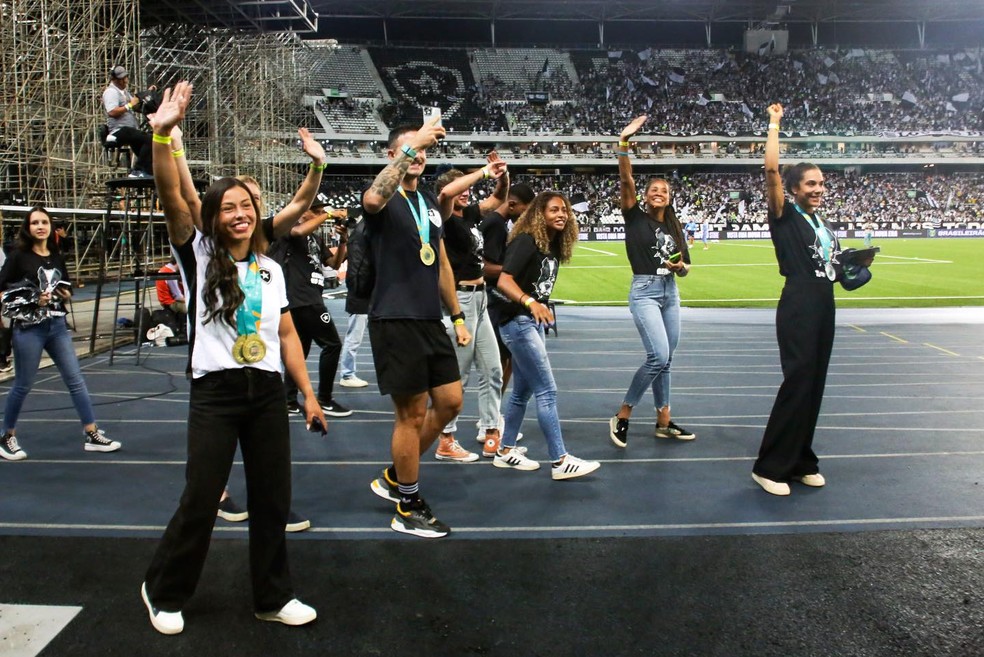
column 760, row 231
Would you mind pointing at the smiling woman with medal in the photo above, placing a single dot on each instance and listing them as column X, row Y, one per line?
column 807, row 250
column 241, row 336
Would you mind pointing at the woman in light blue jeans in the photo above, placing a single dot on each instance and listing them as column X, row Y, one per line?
column 657, row 252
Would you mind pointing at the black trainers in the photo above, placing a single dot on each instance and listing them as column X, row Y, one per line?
column 671, row 430
column 334, row 409
column 5, row 365
column 418, row 520
column 386, row 489
column 618, row 431
column 229, row 510
column 11, row 450
column 296, row 523
column 293, row 408
column 96, row 441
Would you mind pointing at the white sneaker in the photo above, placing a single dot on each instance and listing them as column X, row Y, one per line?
column 515, row 458
column 572, row 467
column 773, row 487
column 352, row 382
column 813, row 480
column 294, row 612
column 165, row 622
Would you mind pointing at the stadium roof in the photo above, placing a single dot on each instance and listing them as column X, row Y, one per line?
column 302, row 15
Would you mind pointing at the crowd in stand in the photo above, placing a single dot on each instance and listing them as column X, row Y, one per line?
column 717, row 91
column 907, row 198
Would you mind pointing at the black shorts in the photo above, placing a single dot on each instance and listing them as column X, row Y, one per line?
column 412, row 355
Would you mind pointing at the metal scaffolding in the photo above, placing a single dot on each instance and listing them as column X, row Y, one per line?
column 55, row 56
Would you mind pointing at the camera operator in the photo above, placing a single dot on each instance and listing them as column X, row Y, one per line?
column 121, row 121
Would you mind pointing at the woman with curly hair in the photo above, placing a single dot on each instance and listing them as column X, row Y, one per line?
column 240, row 332
column 658, row 253
column 542, row 238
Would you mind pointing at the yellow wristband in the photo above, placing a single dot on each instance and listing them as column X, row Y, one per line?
column 529, row 301
column 178, row 153
column 623, row 144
column 318, row 167
column 162, row 139
column 486, row 173
column 459, row 322
column 773, row 126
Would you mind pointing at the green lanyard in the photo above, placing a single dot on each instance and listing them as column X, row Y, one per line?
column 249, row 313
column 420, row 218
column 823, row 233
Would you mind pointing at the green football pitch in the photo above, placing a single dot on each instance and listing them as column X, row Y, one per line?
column 743, row 273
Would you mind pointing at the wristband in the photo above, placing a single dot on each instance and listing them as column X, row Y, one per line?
column 623, row 144
column 409, row 152
column 773, row 126
column 528, row 302
column 486, row 174
column 458, row 318
column 178, row 153
column 459, row 322
column 318, row 168
column 621, row 153
column 162, row 139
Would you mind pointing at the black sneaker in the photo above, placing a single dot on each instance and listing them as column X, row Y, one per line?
column 671, row 430
column 418, row 521
column 296, row 523
column 229, row 510
column 618, row 431
column 5, row 365
column 386, row 489
column 11, row 450
column 96, row 441
column 334, row 409
column 293, row 408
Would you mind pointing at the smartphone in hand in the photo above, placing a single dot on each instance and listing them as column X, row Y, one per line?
column 430, row 113
column 317, row 427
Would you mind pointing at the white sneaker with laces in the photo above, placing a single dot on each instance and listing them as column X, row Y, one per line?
column 165, row 622
column 352, row 382
column 516, row 459
column 571, row 467
column 813, row 480
column 294, row 612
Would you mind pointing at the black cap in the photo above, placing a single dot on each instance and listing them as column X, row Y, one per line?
column 320, row 201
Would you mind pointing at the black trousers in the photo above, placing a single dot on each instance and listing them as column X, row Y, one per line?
column 141, row 143
column 805, row 331
column 244, row 406
column 314, row 324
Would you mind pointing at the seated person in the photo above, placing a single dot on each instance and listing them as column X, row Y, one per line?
column 171, row 294
column 122, row 123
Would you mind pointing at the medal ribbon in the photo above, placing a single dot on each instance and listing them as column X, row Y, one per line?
column 421, row 219
column 249, row 313
column 823, row 233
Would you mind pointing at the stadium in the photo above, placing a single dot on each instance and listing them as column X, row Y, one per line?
column 885, row 96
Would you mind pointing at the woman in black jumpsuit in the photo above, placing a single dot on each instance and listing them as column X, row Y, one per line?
column 805, row 248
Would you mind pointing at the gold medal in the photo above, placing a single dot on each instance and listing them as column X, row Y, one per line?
column 253, row 349
column 427, row 255
column 237, row 349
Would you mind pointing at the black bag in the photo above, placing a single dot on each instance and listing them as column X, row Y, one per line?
column 361, row 277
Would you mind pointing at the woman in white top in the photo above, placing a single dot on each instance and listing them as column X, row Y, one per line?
column 240, row 333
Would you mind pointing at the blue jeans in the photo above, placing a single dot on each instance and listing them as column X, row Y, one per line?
column 655, row 305
column 531, row 376
column 483, row 352
column 52, row 336
column 353, row 339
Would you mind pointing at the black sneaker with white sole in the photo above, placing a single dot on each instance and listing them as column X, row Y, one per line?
column 293, row 408
column 334, row 409
column 229, row 510
column 296, row 523
column 96, row 441
column 386, row 489
column 618, row 431
column 672, row 430
column 10, row 449
column 418, row 520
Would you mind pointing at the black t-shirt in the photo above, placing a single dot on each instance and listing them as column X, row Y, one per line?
column 495, row 234
column 24, row 265
column 464, row 244
column 405, row 287
column 798, row 247
column 535, row 273
column 300, row 258
column 649, row 242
